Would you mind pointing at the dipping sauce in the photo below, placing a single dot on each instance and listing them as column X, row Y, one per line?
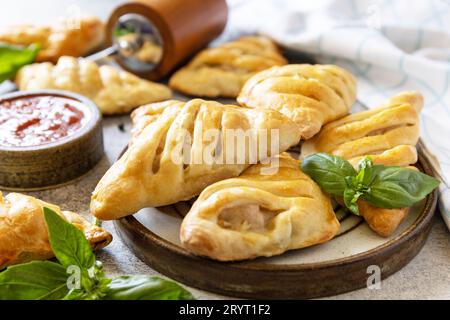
column 37, row 120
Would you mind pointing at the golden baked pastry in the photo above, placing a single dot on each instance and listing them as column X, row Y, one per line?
column 259, row 215
column 222, row 71
column 23, row 231
column 382, row 221
column 186, row 147
column 388, row 134
column 60, row 39
column 114, row 91
column 150, row 51
column 145, row 115
column 311, row 95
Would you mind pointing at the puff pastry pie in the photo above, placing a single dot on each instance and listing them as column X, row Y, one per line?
column 60, row 39
column 259, row 215
column 114, row 91
column 222, row 71
column 388, row 134
column 311, row 95
column 150, row 51
column 183, row 148
column 23, row 231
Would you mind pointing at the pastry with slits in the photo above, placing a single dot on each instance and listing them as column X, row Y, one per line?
column 23, row 231
column 222, row 71
column 388, row 134
column 310, row 95
column 114, row 91
column 184, row 147
column 62, row 38
column 258, row 215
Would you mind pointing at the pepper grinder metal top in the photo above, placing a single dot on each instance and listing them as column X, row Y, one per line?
column 151, row 37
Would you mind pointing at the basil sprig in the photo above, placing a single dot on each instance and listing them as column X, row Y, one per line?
column 37, row 280
column 77, row 275
column 143, row 287
column 381, row 186
column 12, row 58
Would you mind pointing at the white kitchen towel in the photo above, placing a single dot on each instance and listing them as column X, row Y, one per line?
column 390, row 45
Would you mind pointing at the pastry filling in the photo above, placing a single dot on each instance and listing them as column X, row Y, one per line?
column 33, row 121
column 246, row 217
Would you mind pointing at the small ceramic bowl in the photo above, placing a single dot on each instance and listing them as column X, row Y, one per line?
column 56, row 162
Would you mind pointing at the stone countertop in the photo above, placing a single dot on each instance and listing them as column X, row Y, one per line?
column 425, row 277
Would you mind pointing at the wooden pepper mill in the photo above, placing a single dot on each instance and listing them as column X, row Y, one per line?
column 151, row 37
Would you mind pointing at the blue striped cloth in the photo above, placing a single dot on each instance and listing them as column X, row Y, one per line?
column 390, row 46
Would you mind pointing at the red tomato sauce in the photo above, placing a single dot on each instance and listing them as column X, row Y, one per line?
column 33, row 121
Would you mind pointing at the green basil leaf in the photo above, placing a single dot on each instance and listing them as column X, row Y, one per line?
column 97, row 292
column 142, row 287
column 75, row 294
column 69, row 244
column 37, row 280
column 12, row 58
column 351, row 182
column 119, row 32
column 350, row 198
column 365, row 171
column 328, row 172
column 398, row 187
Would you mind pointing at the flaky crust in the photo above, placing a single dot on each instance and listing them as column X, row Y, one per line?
column 114, row 91
column 222, row 71
column 311, row 95
column 382, row 221
column 259, row 214
column 388, row 134
column 65, row 38
column 23, row 231
column 166, row 162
